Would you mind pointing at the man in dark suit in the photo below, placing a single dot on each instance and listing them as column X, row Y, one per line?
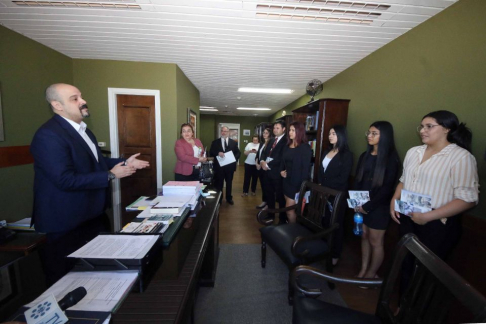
column 272, row 164
column 224, row 173
column 72, row 180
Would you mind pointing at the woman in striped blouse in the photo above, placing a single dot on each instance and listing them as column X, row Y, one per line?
column 444, row 169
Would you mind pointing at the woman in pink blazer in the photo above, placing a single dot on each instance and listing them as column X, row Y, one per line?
column 190, row 152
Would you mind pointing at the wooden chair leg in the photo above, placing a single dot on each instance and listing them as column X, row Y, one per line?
column 264, row 253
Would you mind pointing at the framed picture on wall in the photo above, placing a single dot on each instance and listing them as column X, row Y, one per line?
column 2, row 135
column 192, row 119
column 246, row 132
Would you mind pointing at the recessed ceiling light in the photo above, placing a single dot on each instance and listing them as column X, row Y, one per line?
column 266, row 90
column 209, row 109
column 243, row 108
column 206, row 107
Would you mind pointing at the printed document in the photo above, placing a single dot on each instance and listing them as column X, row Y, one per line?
column 228, row 158
column 105, row 289
column 116, row 247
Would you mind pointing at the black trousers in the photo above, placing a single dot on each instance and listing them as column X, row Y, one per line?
column 192, row 177
column 263, row 183
column 251, row 174
column 274, row 189
column 58, row 245
column 224, row 175
column 440, row 238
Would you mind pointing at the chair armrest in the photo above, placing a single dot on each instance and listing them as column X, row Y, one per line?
column 313, row 237
column 320, row 274
column 264, row 219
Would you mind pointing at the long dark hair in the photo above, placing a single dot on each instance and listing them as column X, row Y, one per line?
column 299, row 134
column 386, row 151
column 458, row 132
column 342, row 138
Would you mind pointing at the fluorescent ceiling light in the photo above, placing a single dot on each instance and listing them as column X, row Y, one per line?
column 266, row 90
column 206, row 108
column 243, row 108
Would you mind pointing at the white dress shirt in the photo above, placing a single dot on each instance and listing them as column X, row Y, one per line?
column 81, row 129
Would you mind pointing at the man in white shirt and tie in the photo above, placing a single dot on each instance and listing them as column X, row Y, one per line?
column 224, row 173
column 72, row 180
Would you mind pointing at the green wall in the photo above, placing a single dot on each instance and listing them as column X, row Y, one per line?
column 26, row 69
column 187, row 97
column 94, row 77
column 437, row 65
column 209, row 123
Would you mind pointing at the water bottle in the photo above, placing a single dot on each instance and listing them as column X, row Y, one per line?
column 358, row 224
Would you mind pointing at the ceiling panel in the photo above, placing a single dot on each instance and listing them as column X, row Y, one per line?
column 222, row 45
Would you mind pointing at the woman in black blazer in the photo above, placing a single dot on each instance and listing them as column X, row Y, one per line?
column 267, row 136
column 296, row 163
column 334, row 170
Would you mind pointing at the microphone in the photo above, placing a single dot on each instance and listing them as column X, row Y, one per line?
column 72, row 298
column 49, row 310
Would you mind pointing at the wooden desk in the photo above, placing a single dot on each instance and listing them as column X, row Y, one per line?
column 23, row 242
column 190, row 259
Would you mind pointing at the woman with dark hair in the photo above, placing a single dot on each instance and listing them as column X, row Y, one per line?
column 250, row 167
column 267, row 136
column 334, row 171
column 296, row 159
column 189, row 152
column 377, row 173
column 444, row 169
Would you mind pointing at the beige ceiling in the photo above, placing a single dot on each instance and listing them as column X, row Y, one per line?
column 222, row 45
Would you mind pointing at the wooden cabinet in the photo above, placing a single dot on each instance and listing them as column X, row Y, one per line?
column 320, row 116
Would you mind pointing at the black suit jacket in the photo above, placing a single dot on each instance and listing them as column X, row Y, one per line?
column 70, row 186
column 276, row 154
column 337, row 172
column 217, row 147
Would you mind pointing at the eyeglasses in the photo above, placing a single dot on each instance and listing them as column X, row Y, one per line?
column 372, row 134
column 427, row 127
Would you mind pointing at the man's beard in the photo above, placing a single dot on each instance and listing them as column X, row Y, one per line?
column 84, row 112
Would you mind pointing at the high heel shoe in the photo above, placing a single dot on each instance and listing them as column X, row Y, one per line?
column 263, row 204
column 363, row 287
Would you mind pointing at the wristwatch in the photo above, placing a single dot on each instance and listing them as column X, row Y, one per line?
column 111, row 176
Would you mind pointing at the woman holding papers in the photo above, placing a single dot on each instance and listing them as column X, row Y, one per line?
column 250, row 167
column 190, row 153
column 444, row 169
column 267, row 136
column 334, row 171
column 296, row 159
column 377, row 173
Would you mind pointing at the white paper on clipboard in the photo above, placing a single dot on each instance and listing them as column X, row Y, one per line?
column 228, row 158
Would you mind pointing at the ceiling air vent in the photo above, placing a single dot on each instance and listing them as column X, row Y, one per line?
column 91, row 4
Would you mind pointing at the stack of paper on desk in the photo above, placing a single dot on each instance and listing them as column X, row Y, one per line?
column 176, row 188
column 170, row 204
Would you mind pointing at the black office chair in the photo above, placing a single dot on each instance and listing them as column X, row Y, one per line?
column 310, row 238
column 432, row 290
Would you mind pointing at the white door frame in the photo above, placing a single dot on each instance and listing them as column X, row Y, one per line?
column 114, row 141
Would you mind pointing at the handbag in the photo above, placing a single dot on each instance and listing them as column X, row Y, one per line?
column 206, row 172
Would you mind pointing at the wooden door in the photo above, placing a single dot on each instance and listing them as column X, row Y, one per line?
column 136, row 134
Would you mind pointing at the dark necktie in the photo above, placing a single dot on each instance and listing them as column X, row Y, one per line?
column 224, row 145
column 273, row 146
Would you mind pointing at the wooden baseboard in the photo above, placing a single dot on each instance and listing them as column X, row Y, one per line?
column 15, row 155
